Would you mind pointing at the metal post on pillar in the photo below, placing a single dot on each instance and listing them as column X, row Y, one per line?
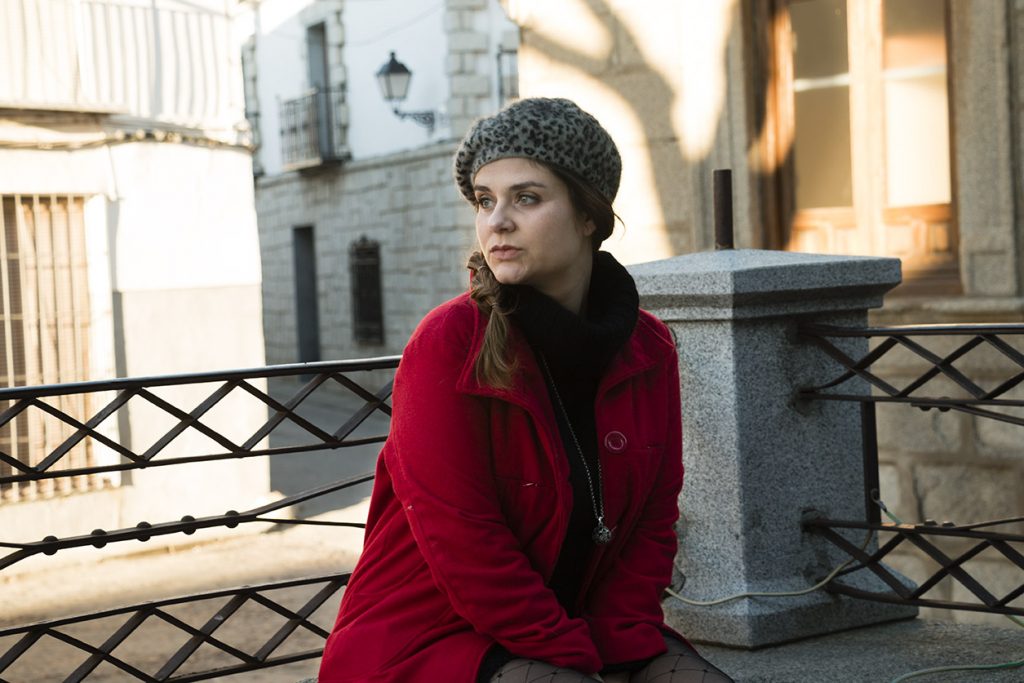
column 722, row 184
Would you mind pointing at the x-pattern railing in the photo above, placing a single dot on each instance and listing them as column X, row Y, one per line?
column 166, row 665
column 954, row 567
column 950, row 546
column 25, row 642
column 977, row 401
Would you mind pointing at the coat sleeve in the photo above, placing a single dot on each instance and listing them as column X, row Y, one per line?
column 624, row 608
column 438, row 458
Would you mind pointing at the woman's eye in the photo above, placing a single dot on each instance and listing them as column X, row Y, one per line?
column 527, row 199
column 484, row 202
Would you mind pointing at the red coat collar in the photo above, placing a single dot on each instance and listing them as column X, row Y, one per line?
column 645, row 348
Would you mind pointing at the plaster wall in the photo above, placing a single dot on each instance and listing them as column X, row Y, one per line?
column 174, row 279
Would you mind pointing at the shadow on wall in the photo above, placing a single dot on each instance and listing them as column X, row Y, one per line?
column 685, row 119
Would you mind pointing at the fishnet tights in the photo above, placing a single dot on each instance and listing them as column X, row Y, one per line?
column 679, row 665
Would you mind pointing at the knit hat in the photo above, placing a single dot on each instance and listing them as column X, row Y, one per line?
column 554, row 131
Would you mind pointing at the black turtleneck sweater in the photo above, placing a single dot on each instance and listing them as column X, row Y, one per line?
column 577, row 349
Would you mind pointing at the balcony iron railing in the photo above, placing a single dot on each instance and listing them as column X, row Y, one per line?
column 947, row 379
column 297, row 637
column 311, row 130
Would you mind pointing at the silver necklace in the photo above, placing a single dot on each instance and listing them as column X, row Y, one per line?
column 601, row 534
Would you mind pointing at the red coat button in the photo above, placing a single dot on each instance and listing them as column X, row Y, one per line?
column 615, row 442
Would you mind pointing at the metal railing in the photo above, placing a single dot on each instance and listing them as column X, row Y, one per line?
column 943, row 379
column 297, row 637
column 311, row 130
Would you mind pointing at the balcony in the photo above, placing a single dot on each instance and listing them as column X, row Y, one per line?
column 94, row 56
column 312, row 130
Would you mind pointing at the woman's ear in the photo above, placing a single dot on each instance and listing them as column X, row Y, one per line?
column 589, row 228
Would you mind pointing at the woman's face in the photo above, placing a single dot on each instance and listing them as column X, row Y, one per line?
column 529, row 231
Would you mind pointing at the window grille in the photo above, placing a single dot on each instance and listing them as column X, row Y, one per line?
column 367, row 304
column 44, row 332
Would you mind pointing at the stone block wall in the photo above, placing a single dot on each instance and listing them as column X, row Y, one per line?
column 408, row 203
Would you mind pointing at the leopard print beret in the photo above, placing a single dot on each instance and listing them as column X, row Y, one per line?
column 554, row 131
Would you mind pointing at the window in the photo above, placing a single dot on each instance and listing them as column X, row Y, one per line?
column 44, row 332
column 860, row 111
column 367, row 304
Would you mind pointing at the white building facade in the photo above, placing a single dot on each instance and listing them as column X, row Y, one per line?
column 361, row 228
column 130, row 244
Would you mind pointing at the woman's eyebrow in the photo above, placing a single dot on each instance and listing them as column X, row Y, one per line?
column 514, row 188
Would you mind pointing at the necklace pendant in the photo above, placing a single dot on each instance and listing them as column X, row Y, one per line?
column 602, row 535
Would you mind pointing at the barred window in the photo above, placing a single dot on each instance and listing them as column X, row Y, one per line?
column 367, row 303
column 44, row 333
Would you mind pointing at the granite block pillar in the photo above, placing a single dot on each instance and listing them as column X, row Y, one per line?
column 757, row 459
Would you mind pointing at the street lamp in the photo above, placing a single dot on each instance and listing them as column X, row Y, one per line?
column 393, row 79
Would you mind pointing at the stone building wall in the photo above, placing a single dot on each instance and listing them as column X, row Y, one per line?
column 408, row 203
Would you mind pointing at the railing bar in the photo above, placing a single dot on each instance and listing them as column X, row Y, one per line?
column 202, row 636
column 311, row 522
column 300, row 618
column 819, row 329
column 57, row 453
column 1004, row 348
column 230, row 592
column 13, row 411
column 1010, row 553
column 908, row 529
column 280, row 413
column 914, row 401
column 89, row 429
column 856, row 553
column 869, row 450
column 194, row 643
column 379, row 363
column 186, row 420
column 193, row 419
column 843, row 589
column 939, row 576
column 109, row 645
column 363, row 413
column 948, row 370
column 92, row 649
column 288, row 411
column 361, row 391
column 992, row 415
column 312, row 493
column 21, row 647
column 953, row 569
column 277, row 450
column 238, row 669
column 857, row 367
column 938, row 364
column 14, row 463
column 1004, row 387
column 168, row 528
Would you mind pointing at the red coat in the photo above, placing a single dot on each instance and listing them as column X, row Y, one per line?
column 471, row 503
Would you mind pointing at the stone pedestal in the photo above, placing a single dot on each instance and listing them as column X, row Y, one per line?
column 757, row 459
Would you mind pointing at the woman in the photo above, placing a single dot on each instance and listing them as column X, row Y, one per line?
column 520, row 527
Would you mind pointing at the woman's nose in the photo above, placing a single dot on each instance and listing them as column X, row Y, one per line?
column 499, row 219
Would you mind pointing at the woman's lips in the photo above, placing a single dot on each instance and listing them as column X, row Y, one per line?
column 502, row 253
